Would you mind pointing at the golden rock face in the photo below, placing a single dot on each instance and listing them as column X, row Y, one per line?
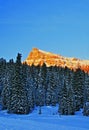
column 38, row 57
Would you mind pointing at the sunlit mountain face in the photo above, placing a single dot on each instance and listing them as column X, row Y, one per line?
column 38, row 57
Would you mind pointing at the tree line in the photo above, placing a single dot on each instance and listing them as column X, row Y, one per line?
column 23, row 87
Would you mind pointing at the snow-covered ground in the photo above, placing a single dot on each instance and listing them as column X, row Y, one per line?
column 48, row 120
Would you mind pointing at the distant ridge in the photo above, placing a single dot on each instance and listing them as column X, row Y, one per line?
column 38, row 57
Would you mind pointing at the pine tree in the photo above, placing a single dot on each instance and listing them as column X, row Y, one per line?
column 18, row 100
column 63, row 101
column 66, row 102
column 86, row 88
column 29, row 85
column 86, row 96
column 40, row 92
column 70, row 102
column 51, row 95
column 2, row 74
column 6, row 93
column 48, row 95
column 78, row 88
column 60, row 83
column 70, row 93
column 44, row 80
column 86, row 109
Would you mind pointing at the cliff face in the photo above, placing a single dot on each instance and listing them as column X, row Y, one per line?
column 38, row 57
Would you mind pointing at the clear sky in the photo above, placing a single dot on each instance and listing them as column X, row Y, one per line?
column 58, row 26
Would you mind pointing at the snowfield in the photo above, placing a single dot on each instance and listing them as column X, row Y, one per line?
column 48, row 120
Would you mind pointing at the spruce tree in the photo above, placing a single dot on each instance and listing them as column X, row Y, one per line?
column 66, row 102
column 6, row 92
column 70, row 93
column 18, row 100
column 2, row 74
column 86, row 109
column 70, row 102
column 44, row 79
column 29, row 85
column 40, row 92
column 50, row 87
column 86, row 88
column 63, row 101
column 78, row 88
column 86, row 96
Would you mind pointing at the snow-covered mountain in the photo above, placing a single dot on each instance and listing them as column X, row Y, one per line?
column 38, row 57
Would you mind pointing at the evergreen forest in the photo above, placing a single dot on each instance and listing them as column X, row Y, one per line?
column 24, row 87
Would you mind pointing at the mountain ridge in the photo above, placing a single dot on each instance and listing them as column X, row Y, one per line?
column 39, row 57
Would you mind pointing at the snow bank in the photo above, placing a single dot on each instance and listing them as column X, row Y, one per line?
column 49, row 119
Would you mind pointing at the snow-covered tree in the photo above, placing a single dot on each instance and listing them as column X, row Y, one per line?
column 2, row 74
column 86, row 109
column 63, row 101
column 29, row 85
column 66, row 95
column 51, row 95
column 40, row 92
column 70, row 102
column 18, row 100
column 78, row 87
column 86, row 88
column 6, row 93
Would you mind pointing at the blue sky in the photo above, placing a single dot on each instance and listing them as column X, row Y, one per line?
column 59, row 26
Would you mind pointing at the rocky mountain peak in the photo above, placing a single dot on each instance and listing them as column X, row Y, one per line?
column 38, row 57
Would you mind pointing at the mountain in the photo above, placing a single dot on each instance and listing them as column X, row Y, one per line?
column 38, row 57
